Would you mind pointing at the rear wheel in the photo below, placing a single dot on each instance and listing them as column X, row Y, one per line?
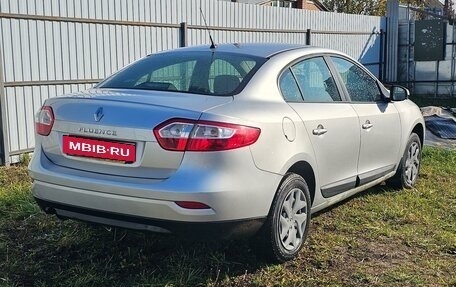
column 409, row 166
column 285, row 230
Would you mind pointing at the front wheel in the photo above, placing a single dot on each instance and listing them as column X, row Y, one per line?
column 286, row 228
column 409, row 166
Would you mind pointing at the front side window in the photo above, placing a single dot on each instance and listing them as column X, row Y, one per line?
column 316, row 81
column 208, row 73
column 360, row 85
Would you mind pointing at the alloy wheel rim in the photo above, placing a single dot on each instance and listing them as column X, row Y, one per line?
column 293, row 219
column 412, row 163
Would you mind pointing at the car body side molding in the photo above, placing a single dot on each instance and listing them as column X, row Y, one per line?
column 338, row 187
column 375, row 174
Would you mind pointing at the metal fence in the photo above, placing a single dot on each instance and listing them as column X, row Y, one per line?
column 52, row 47
column 432, row 78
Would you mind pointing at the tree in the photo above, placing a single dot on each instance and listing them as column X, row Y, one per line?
column 369, row 7
column 448, row 9
column 351, row 6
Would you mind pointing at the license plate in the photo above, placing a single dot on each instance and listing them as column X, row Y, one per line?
column 100, row 149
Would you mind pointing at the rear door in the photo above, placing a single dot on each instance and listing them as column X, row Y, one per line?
column 330, row 123
column 379, row 122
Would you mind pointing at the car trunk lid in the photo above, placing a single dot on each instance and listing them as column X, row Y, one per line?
column 111, row 131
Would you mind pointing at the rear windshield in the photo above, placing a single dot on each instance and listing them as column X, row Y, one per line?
column 208, row 73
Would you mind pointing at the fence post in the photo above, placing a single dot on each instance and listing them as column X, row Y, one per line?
column 308, row 37
column 183, row 34
column 380, row 66
column 453, row 58
column 4, row 139
column 392, row 33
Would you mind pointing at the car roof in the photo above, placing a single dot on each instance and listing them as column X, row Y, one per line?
column 264, row 50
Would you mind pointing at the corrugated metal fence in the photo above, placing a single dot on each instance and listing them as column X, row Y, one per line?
column 52, row 47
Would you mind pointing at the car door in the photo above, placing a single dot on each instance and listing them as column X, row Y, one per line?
column 379, row 122
column 330, row 123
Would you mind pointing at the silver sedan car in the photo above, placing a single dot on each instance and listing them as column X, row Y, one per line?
column 236, row 140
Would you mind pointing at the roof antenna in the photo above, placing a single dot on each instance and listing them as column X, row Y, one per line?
column 213, row 46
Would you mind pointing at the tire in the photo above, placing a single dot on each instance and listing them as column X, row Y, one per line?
column 287, row 225
column 409, row 166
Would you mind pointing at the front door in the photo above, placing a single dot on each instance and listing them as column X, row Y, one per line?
column 379, row 122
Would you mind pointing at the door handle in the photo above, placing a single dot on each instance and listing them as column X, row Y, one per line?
column 320, row 130
column 367, row 125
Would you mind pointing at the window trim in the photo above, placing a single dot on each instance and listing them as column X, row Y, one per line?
column 340, row 86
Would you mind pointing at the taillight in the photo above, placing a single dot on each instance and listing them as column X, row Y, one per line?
column 44, row 121
column 189, row 135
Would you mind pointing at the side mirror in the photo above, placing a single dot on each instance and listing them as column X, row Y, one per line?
column 399, row 93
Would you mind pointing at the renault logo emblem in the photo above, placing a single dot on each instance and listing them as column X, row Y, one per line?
column 98, row 114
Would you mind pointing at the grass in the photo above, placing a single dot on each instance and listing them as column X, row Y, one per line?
column 380, row 237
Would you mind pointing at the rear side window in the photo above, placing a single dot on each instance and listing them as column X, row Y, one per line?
column 209, row 73
column 360, row 85
column 289, row 87
column 316, row 81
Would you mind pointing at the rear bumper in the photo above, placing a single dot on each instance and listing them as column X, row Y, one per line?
column 192, row 230
column 229, row 183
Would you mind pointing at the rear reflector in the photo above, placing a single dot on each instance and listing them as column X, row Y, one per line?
column 189, row 135
column 192, row 205
column 44, row 121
